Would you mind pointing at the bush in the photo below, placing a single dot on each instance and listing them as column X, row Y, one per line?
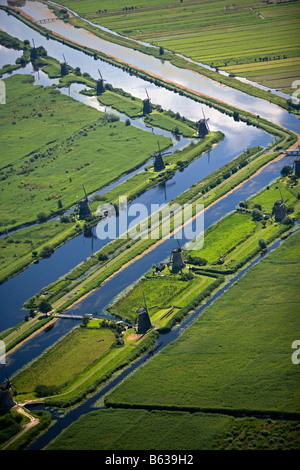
column 45, row 306
column 46, row 251
column 41, row 217
column 197, row 260
column 287, row 220
column 257, row 214
column 262, row 243
column 286, row 170
column 102, row 257
column 45, row 390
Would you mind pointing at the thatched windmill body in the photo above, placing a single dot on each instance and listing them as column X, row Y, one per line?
column 279, row 210
column 176, row 258
column 84, row 208
column 147, row 105
column 144, row 322
column 100, row 84
column 6, row 399
column 158, row 159
column 33, row 52
column 64, row 68
column 202, row 126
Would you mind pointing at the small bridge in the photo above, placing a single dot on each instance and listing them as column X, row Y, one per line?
column 46, row 20
column 70, row 317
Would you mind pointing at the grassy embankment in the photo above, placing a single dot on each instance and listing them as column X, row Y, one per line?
column 235, row 358
column 253, row 41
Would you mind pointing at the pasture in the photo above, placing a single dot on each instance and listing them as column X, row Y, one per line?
column 165, row 293
column 85, row 357
column 65, row 361
column 166, row 430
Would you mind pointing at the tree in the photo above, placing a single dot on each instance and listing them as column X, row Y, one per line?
column 85, row 320
column 41, row 217
column 46, row 251
column 161, row 50
column 287, row 220
column 262, row 243
column 102, row 257
column 257, row 214
column 45, row 306
column 286, row 170
column 236, row 116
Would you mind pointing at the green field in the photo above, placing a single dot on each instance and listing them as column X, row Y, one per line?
column 62, row 145
column 85, row 357
column 255, row 40
column 165, row 293
column 163, row 430
column 237, row 354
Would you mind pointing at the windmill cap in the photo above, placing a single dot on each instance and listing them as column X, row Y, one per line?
column 141, row 310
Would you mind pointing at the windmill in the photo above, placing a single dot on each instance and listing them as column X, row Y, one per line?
column 158, row 160
column 279, row 209
column 176, row 259
column 297, row 167
column 147, row 105
column 202, row 126
column 33, row 52
column 36, row 69
column 144, row 323
column 100, row 84
column 6, row 399
column 84, row 208
column 64, row 69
